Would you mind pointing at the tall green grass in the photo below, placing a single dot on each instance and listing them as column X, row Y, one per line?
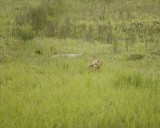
column 48, row 91
column 39, row 89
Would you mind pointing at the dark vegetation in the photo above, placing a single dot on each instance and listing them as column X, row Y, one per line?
column 107, row 21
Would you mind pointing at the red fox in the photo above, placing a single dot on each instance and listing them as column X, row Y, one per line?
column 96, row 64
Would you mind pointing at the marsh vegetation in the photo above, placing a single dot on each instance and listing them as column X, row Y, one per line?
column 40, row 86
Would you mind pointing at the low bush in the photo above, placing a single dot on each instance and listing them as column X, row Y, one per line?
column 24, row 32
column 135, row 57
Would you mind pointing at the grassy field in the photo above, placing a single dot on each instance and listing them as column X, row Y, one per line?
column 41, row 90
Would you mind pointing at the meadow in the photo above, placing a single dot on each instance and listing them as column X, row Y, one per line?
column 41, row 90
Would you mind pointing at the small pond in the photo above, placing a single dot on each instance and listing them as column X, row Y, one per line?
column 67, row 55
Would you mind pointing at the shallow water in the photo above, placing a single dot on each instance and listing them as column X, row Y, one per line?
column 68, row 55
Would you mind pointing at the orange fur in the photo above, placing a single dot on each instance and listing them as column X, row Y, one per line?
column 96, row 64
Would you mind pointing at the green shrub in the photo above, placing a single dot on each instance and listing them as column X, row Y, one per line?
column 25, row 32
column 40, row 18
column 135, row 57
